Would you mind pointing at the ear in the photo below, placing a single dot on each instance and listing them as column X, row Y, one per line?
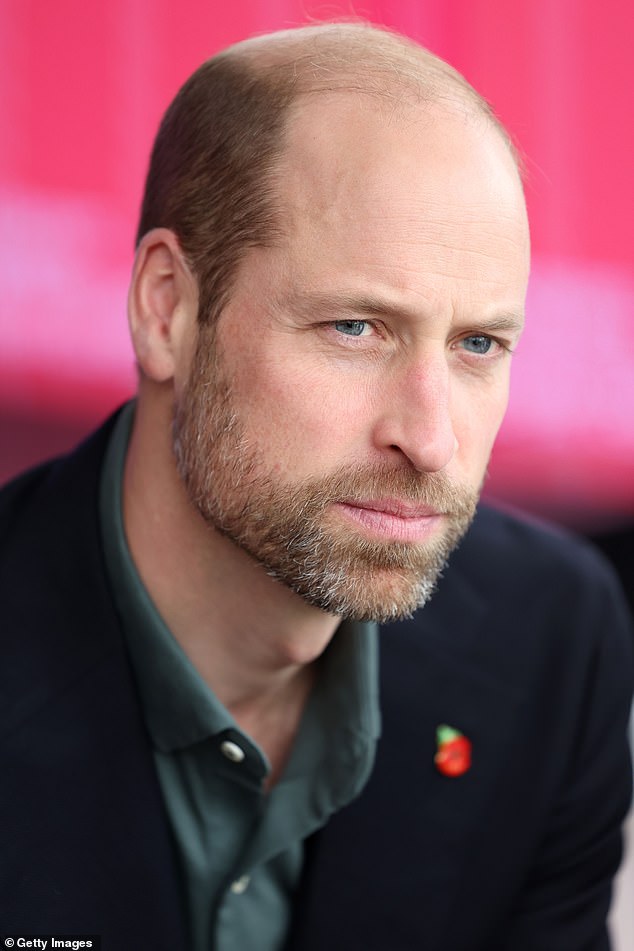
column 162, row 305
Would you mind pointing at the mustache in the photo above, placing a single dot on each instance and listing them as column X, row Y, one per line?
column 408, row 486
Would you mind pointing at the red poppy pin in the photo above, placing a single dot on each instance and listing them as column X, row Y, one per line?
column 453, row 756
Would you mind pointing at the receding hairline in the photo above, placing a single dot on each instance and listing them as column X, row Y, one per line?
column 363, row 58
column 214, row 172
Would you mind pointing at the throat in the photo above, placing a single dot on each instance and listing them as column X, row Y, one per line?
column 273, row 720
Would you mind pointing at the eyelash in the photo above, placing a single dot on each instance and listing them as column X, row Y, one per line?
column 494, row 341
column 337, row 323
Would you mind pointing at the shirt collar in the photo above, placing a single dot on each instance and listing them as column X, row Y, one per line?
column 180, row 709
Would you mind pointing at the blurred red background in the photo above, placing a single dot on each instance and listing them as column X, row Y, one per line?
column 83, row 88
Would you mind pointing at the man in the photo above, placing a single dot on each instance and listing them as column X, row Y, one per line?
column 329, row 282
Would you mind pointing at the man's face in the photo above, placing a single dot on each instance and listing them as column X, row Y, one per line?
column 337, row 422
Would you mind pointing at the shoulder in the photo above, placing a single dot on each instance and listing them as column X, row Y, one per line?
column 541, row 581
column 522, row 552
column 531, row 606
column 53, row 589
column 57, row 489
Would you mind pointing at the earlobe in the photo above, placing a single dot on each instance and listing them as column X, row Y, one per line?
column 162, row 304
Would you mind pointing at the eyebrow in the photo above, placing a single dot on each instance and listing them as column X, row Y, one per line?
column 373, row 306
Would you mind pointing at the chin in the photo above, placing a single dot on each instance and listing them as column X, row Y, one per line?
column 381, row 595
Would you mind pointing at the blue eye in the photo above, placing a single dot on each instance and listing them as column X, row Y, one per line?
column 352, row 328
column 478, row 343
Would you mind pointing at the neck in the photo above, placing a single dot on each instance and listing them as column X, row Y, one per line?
column 251, row 639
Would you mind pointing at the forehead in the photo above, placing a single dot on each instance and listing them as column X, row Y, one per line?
column 370, row 185
column 375, row 149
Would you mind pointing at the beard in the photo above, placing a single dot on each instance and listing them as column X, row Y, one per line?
column 289, row 528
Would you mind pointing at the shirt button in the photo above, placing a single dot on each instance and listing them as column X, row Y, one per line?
column 240, row 885
column 232, row 751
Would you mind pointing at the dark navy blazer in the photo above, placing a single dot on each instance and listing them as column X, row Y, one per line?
column 525, row 648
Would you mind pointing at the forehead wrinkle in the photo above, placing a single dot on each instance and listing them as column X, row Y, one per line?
column 428, row 216
column 432, row 271
column 371, row 305
column 427, row 219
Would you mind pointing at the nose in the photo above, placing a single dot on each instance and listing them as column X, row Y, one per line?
column 415, row 418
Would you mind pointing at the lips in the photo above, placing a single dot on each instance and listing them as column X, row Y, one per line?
column 393, row 507
column 391, row 520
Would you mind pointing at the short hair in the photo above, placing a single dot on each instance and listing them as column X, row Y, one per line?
column 211, row 178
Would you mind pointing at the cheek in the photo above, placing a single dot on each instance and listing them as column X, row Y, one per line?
column 307, row 415
column 477, row 419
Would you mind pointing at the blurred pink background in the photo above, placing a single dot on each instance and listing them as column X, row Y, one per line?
column 82, row 89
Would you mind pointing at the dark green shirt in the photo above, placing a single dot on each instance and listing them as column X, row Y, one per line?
column 240, row 848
